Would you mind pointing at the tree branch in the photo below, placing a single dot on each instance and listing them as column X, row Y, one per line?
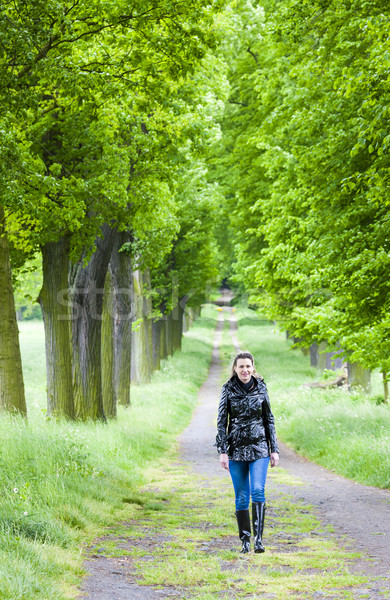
column 239, row 103
column 253, row 55
column 42, row 53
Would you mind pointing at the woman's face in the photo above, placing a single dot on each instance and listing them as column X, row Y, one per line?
column 244, row 369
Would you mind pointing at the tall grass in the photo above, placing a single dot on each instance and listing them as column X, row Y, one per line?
column 62, row 482
column 346, row 432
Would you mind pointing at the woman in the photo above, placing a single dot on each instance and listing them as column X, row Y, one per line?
column 247, row 443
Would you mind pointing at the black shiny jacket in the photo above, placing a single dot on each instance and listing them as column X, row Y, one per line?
column 246, row 426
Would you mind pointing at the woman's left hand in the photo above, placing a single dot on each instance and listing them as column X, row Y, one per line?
column 274, row 459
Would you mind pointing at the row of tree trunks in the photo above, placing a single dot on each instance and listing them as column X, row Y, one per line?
column 12, row 396
column 323, row 359
column 71, row 299
column 152, row 339
column 93, row 352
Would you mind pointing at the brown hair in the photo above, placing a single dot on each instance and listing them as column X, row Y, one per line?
column 244, row 355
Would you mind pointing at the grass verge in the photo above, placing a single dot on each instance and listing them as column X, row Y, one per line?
column 62, row 483
column 346, row 432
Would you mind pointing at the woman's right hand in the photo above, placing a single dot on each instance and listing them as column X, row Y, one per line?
column 224, row 460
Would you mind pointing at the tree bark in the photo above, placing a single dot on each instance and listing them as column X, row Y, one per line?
column 122, row 280
column 326, row 359
column 87, row 307
column 177, row 327
column 55, row 304
column 188, row 319
column 147, row 312
column 163, row 338
column 12, row 397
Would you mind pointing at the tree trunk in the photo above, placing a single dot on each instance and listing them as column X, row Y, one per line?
column 326, row 359
column 12, row 396
column 169, row 334
column 108, row 375
column 87, row 307
column 156, row 334
column 313, row 354
column 175, row 323
column 55, row 305
column 188, row 319
column 147, row 312
column 122, row 280
column 135, row 334
column 385, row 387
column 358, row 377
column 177, row 331
column 141, row 341
column 163, row 338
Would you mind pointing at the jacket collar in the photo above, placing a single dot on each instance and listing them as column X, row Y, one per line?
column 239, row 390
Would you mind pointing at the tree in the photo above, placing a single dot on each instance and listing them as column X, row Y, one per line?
column 12, row 396
column 86, row 94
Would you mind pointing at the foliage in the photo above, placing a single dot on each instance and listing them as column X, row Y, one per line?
column 306, row 156
column 28, row 282
column 189, row 271
column 90, row 99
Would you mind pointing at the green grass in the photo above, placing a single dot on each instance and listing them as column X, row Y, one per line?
column 62, row 483
column 346, row 432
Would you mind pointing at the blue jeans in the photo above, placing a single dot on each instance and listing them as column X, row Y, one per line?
column 248, row 480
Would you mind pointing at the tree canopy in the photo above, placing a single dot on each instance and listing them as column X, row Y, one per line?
column 305, row 150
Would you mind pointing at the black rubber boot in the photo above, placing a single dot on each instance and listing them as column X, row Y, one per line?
column 244, row 529
column 258, row 512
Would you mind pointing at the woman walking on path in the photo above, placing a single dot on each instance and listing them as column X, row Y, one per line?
column 246, row 441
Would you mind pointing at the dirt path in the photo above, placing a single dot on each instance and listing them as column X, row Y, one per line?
column 358, row 512
column 360, row 515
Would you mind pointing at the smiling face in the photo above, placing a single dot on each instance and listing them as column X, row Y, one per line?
column 244, row 369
